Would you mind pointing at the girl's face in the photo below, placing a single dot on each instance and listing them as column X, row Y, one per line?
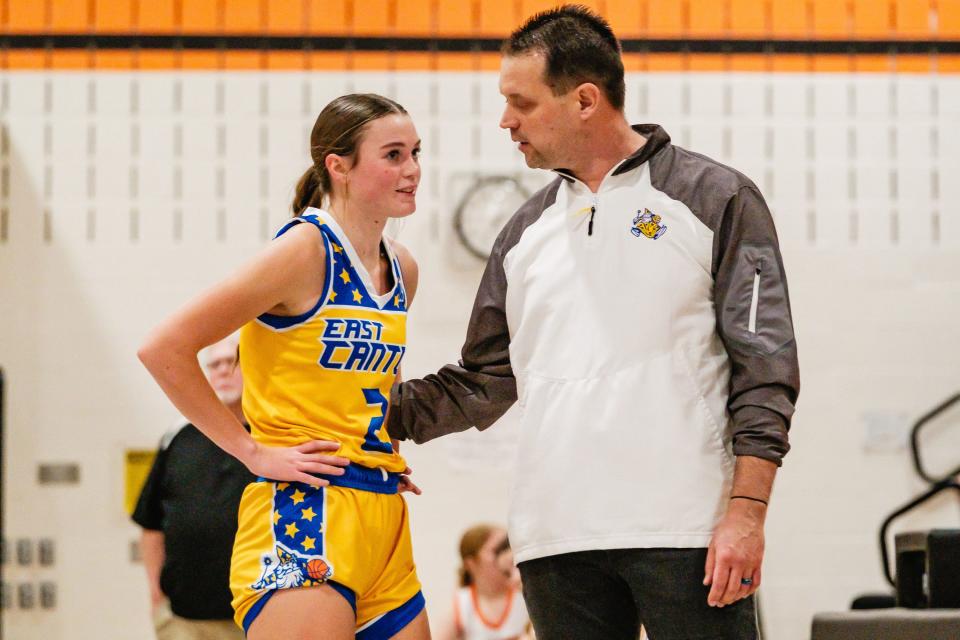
column 488, row 568
column 385, row 171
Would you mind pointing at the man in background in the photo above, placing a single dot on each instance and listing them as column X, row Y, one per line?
column 188, row 512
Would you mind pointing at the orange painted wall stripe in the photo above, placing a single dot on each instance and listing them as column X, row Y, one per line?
column 790, row 19
column 158, row 16
column 707, row 18
column 748, row 62
column 872, row 18
column 113, row 16
column 912, row 19
column 496, row 19
column 627, row 18
column 373, row 17
column 153, row 60
column 948, row 18
column 328, row 16
column 245, row 16
column 285, row 60
column 284, row 18
column 791, row 64
column 872, row 64
column 27, row 17
column 200, row 16
column 750, row 18
column 665, row 18
column 416, row 18
column 457, row 18
column 831, row 18
column 913, row 64
column 754, row 19
column 948, row 64
column 163, row 60
column 113, row 60
column 827, row 19
column 71, row 16
column 328, row 60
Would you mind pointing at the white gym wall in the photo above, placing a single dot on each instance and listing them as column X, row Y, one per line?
column 126, row 193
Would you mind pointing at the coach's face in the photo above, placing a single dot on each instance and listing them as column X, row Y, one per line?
column 541, row 123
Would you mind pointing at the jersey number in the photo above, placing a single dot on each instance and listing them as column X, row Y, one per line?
column 371, row 442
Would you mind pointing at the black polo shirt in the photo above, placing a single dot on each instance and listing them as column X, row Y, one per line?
column 192, row 495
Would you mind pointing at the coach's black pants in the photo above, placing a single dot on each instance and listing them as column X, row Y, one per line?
column 607, row 595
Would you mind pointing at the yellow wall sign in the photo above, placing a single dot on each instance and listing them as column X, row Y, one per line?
column 136, row 467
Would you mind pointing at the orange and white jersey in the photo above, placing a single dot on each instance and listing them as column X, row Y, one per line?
column 327, row 374
column 473, row 625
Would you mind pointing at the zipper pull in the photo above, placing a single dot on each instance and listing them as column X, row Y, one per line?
column 593, row 210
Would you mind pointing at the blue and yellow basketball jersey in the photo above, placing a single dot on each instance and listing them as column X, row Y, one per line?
column 327, row 374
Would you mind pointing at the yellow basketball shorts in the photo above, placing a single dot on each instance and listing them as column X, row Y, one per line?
column 354, row 537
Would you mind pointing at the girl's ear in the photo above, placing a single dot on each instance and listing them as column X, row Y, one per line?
column 338, row 167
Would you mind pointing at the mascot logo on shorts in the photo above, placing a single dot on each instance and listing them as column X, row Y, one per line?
column 648, row 224
column 287, row 570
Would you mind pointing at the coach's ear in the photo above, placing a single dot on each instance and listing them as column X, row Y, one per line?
column 588, row 99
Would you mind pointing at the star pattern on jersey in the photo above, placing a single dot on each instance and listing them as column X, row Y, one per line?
column 348, row 288
column 297, row 518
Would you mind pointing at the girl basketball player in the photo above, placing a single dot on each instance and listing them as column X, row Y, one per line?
column 323, row 545
column 488, row 605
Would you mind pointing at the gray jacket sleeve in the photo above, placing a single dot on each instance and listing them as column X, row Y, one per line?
column 473, row 393
column 754, row 322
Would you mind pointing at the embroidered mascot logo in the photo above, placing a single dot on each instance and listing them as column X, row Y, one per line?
column 291, row 571
column 648, row 224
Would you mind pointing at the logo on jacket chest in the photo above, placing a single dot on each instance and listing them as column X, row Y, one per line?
column 648, row 224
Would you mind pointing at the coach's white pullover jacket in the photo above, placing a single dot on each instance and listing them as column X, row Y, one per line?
column 645, row 331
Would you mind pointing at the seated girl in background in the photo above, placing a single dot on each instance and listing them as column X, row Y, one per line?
column 488, row 605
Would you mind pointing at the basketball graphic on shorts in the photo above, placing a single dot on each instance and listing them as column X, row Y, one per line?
column 318, row 569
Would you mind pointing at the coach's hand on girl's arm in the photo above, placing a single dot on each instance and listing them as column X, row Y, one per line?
column 296, row 464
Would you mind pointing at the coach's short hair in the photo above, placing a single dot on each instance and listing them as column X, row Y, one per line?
column 579, row 46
